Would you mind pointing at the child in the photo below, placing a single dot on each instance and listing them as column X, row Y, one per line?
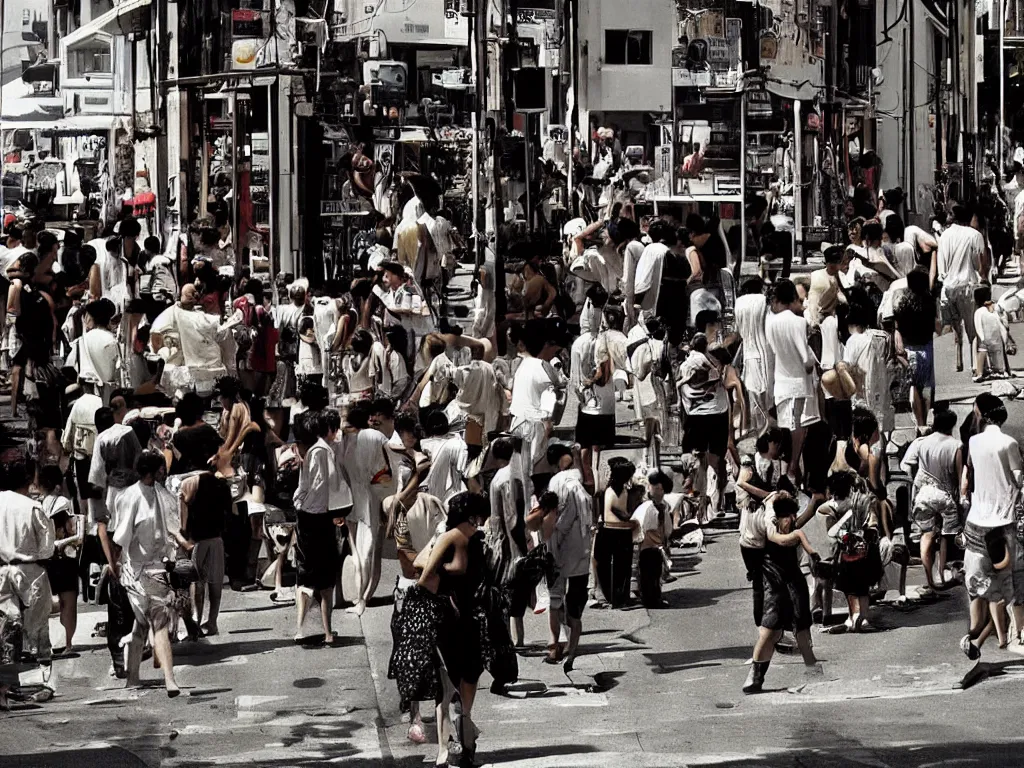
column 62, row 568
column 654, row 528
column 993, row 338
column 786, row 599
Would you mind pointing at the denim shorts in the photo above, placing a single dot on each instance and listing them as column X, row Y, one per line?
column 922, row 366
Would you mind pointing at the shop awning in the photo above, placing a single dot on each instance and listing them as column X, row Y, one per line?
column 81, row 124
column 118, row 20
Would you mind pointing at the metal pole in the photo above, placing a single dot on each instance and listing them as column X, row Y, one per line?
column 526, row 156
column 273, row 122
column 3, row 153
column 474, row 64
column 798, row 190
column 742, row 213
column 234, row 181
column 1000, row 154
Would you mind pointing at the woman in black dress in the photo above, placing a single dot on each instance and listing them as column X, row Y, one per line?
column 786, row 600
column 440, row 626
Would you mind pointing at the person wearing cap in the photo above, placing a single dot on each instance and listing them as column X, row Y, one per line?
column 992, row 486
column 961, row 264
column 62, row 568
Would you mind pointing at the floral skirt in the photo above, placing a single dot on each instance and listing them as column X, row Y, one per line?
column 415, row 630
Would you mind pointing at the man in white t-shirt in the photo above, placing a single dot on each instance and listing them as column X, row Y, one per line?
column 647, row 282
column 962, row 263
column 796, row 391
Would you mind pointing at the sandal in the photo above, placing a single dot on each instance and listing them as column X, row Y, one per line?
column 555, row 653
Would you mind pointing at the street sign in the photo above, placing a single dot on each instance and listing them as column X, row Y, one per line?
column 341, row 208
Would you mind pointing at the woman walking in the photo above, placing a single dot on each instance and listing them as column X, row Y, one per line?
column 316, row 540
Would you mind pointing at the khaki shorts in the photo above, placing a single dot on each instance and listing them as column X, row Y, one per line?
column 957, row 304
column 208, row 556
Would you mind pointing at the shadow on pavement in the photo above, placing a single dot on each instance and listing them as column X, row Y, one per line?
column 678, row 661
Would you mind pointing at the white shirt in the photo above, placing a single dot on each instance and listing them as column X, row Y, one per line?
column 533, row 390
column 753, row 527
column 504, row 511
column 935, row 458
column 990, row 327
column 758, row 360
column 648, row 273
column 26, row 533
column 315, row 477
column 144, row 518
column 996, row 461
column 447, row 468
column 98, row 357
column 787, row 337
column 391, row 364
column 631, row 256
column 80, row 431
column 570, row 541
column 959, row 257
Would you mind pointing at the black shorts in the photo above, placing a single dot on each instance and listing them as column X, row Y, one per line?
column 576, row 595
column 817, row 456
column 595, row 430
column 708, row 433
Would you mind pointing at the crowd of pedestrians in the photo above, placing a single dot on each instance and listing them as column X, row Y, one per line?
column 193, row 428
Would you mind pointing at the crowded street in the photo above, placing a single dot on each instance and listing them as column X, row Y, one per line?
column 534, row 384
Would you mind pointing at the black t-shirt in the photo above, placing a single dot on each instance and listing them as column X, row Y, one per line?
column 193, row 447
column 915, row 319
column 210, row 507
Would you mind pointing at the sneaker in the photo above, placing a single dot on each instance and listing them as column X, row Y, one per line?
column 971, row 651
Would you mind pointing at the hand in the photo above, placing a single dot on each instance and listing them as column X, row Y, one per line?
column 189, row 545
column 115, row 570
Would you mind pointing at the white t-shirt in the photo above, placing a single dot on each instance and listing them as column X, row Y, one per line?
column 630, row 264
column 533, row 390
column 990, row 327
column 996, row 460
column 935, row 457
column 787, row 336
column 959, row 257
column 648, row 273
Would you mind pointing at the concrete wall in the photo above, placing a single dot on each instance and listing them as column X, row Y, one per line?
column 625, row 88
column 906, row 134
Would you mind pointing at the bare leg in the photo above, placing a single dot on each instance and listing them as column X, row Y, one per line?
column 920, row 405
column 361, row 577
column 928, row 557
column 587, row 459
column 554, row 626
column 943, row 552
column 162, row 652
column 798, row 436
column 68, row 617
column 575, row 630
column 216, row 589
column 1017, row 613
column 765, row 646
column 518, row 631
column 326, row 607
column 998, row 612
column 199, row 599
column 302, row 598
column 803, row 641
column 15, row 386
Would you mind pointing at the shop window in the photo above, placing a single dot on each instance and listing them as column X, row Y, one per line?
column 628, row 46
column 90, row 61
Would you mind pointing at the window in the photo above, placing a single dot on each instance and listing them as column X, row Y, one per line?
column 86, row 62
column 627, row 46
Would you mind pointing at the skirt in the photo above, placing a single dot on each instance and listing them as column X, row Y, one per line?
column 595, row 430
column 415, row 665
column 63, row 574
column 316, row 551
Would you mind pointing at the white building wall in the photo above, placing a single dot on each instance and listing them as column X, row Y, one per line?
column 627, row 88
